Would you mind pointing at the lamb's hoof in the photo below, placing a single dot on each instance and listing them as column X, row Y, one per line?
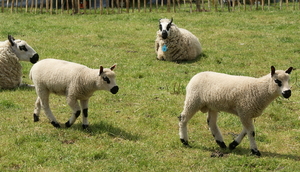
column 255, row 152
column 233, row 144
column 221, row 144
column 35, row 118
column 185, row 143
column 56, row 125
column 85, row 126
column 67, row 124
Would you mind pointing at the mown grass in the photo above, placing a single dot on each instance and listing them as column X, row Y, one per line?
column 137, row 129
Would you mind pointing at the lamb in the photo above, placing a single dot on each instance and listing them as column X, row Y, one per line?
column 11, row 52
column 175, row 44
column 243, row 96
column 75, row 81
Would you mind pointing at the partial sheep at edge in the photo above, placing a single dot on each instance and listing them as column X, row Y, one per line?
column 11, row 52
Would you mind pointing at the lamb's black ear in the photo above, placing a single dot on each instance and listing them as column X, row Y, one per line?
column 101, row 70
column 171, row 20
column 113, row 67
column 289, row 70
column 11, row 40
column 272, row 71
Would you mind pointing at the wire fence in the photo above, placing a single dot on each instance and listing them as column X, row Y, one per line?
column 127, row 6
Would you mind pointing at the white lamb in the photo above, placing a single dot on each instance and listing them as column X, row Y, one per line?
column 11, row 52
column 175, row 44
column 75, row 81
column 243, row 96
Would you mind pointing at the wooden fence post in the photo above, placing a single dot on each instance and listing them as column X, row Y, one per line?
column 198, row 7
column 12, row 6
column 37, row 6
column 2, row 7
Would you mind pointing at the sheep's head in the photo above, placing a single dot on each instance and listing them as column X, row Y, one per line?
column 108, row 77
column 281, row 79
column 23, row 51
column 164, row 27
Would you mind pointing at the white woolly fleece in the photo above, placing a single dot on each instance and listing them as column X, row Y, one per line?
column 11, row 69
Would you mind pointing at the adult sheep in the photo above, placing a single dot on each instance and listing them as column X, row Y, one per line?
column 175, row 44
column 75, row 81
column 11, row 52
column 243, row 96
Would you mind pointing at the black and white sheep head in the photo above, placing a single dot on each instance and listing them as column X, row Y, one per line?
column 108, row 79
column 281, row 79
column 22, row 50
column 164, row 27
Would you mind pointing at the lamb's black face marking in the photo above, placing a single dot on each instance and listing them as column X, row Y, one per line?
column 169, row 26
column 278, row 82
column 23, row 47
column 106, row 79
column 164, row 27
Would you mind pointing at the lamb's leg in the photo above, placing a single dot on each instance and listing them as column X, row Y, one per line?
column 249, row 130
column 73, row 103
column 84, row 107
column 190, row 108
column 37, row 110
column 238, row 140
column 212, row 123
column 44, row 100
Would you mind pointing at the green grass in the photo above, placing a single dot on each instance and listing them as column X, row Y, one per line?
column 137, row 129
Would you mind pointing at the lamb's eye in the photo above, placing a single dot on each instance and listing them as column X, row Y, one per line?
column 168, row 26
column 106, row 79
column 279, row 83
column 160, row 27
column 22, row 47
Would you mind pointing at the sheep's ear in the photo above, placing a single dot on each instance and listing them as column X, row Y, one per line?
column 101, row 70
column 289, row 70
column 113, row 67
column 171, row 20
column 11, row 40
column 272, row 71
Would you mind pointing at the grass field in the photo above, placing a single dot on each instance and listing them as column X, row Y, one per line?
column 137, row 129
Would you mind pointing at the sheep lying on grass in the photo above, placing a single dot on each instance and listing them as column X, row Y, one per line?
column 75, row 81
column 243, row 96
column 11, row 52
column 175, row 44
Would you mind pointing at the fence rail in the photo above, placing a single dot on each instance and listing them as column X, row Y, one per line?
column 127, row 6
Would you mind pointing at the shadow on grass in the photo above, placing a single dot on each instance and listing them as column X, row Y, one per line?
column 243, row 151
column 201, row 56
column 104, row 127
column 23, row 87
